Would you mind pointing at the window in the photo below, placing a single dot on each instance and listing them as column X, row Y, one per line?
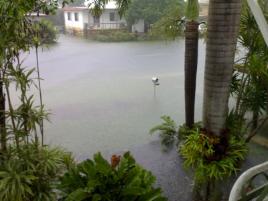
column 76, row 17
column 69, row 16
column 112, row 17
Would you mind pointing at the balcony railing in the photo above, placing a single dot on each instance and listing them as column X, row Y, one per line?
column 246, row 187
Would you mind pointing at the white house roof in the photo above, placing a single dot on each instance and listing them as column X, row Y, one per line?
column 110, row 5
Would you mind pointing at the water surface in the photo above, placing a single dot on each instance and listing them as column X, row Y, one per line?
column 101, row 94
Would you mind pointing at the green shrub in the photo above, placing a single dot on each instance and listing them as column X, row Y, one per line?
column 45, row 32
column 185, row 131
column 123, row 36
column 114, row 36
column 170, row 132
column 31, row 173
column 98, row 180
column 212, row 157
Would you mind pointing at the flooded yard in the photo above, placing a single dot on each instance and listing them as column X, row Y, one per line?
column 101, row 95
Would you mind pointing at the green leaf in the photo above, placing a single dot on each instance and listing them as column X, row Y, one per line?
column 77, row 195
column 192, row 10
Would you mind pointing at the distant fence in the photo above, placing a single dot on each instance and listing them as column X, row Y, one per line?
column 110, row 25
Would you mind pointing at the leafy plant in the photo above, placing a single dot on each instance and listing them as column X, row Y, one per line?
column 168, row 131
column 45, row 32
column 98, row 180
column 185, row 131
column 212, row 157
column 236, row 124
column 249, row 84
column 31, row 173
column 192, row 9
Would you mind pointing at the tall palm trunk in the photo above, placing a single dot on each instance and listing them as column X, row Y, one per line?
column 223, row 26
column 2, row 118
column 190, row 68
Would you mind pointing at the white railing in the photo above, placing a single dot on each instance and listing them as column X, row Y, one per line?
column 236, row 191
column 260, row 19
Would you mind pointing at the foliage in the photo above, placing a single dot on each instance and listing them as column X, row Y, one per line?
column 20, row 122
column 192, row 10
column 98, row 180
column 236, row 124
column 122, row 36
column 149, row 10
column 28, row 171
column 114, row 36
column 97, row 6
column 169, row 25
column 185, row 131
column 168, row 131
column 46, row 32
column 250, row 80
column 212, row 157
column 31, row 173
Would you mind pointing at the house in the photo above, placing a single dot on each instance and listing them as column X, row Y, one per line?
column 79, row 19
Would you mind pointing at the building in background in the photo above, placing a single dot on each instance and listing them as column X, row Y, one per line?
column 80, row 20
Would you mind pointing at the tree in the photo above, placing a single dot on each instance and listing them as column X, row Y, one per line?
column 191, row 59
column 223, row 26
column 149, row 10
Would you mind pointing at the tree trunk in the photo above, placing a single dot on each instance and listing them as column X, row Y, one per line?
column 2, row 118
column 190, row 68
column 223, row 26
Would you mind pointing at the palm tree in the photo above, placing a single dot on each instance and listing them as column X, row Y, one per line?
column 191, row 59
column 223, row 27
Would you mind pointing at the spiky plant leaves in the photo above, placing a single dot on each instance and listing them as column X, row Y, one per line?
column 31, row 173
column 15, row 184
column 250, row 81
column 201, row 152
column 168, row 131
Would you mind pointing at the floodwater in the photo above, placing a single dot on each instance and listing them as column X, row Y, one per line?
column 101, row 95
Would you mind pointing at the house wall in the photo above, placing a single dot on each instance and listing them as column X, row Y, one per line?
column 86, row 21
column 72, row 24
column 85, row 16
column 105, row 21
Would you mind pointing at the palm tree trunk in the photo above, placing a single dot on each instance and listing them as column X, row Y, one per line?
column 190, row 68
column 2, row 118
column 223, row 26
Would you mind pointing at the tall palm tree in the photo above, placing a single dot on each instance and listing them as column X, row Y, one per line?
column 223, row 26
column 191, row 59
